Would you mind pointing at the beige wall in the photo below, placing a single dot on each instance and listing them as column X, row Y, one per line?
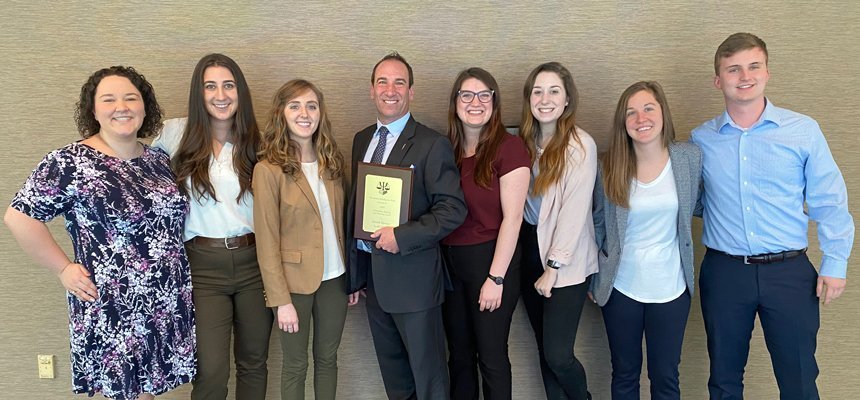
column 47, row 50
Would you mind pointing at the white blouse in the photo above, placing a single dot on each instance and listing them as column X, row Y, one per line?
column 207, row 217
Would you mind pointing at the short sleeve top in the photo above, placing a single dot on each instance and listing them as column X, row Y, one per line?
column 484, row 204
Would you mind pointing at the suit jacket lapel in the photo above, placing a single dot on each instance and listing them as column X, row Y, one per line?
column 361, row 141
column 404, row 142
column 305, row 187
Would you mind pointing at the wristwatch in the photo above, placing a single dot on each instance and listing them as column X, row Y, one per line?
column 498, row 280
column 553, row 264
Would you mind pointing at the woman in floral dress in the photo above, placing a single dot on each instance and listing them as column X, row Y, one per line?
column 131, row 320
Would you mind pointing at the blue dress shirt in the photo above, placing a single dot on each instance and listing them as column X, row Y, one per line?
column 756, row 181
column 394, row 130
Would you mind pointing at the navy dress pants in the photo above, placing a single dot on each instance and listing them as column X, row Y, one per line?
column 783, row 296
column 663, row 325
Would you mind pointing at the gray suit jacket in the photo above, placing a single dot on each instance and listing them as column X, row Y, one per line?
column 610, row 220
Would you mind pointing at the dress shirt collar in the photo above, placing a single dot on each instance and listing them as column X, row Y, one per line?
column 770, row 115
column 395, row 127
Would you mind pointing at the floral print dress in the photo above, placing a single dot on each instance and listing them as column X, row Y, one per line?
column 125, row 219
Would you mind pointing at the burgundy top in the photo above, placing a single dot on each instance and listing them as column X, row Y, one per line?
column 485, row 205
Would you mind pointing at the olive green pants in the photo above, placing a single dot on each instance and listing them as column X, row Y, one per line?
column 327, row 309
column 228, row 301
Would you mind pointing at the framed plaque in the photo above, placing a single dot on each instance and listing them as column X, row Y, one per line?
column 383, row 197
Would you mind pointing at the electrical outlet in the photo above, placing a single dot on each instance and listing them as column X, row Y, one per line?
column 46, row 366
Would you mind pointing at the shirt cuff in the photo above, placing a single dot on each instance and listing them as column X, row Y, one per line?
column 833, row 268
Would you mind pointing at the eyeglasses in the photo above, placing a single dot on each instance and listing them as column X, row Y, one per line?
column 484, row 96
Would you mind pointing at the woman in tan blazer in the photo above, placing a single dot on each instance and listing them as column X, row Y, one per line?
column 298, row 214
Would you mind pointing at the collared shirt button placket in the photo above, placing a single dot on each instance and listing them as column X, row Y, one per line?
column 746, row 196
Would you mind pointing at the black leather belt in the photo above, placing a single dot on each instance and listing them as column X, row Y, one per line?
column 765, row 258
column 230, row 243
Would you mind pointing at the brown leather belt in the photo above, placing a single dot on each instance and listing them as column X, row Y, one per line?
column 765, row 258
column 231, row 243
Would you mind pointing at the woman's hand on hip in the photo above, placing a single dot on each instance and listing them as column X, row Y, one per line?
column 76, row 279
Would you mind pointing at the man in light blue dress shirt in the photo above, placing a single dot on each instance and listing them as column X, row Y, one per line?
column 761, row 165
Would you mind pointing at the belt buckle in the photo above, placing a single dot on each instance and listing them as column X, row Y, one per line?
column 746, row 260
column 227, row 244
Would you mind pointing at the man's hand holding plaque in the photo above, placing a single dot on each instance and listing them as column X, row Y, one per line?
column 385, row 239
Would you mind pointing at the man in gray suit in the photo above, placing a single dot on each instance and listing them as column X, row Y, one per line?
column 402, row 271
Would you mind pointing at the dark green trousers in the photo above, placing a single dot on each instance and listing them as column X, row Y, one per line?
column 228, row 301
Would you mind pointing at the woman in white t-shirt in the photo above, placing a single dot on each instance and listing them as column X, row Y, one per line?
column 646, row 190
column 299, row 207
column 213, row 152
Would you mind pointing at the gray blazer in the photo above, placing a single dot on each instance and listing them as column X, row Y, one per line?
column 610, row 220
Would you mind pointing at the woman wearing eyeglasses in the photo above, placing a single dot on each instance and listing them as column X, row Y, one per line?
column 482, row 254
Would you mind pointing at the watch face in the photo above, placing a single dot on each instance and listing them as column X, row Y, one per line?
column 497, row 279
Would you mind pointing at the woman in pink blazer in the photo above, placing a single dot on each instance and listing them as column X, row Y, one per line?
column 557, row 236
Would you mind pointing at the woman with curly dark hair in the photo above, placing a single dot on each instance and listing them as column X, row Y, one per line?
column 131, row 321
column 213, row 153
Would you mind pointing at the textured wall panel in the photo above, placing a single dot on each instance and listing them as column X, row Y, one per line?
column 49, row 48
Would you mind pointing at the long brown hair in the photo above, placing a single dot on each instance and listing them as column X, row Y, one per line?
column 619, row 163
column 282, row 151
column 195, row 148
column 492, row 134
column 554, row 159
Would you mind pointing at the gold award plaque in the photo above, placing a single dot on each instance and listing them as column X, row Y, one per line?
column 383, row 197
column 381, row 202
